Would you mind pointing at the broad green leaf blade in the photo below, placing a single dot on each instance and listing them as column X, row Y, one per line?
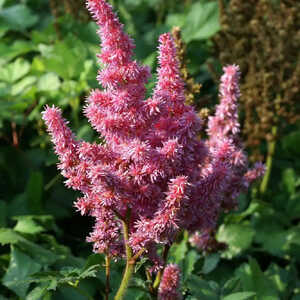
column 238, row 237
column 20, row 267
column 37, row 293
column 210, row 262
column 202, row 21
column 289, row 180
column 201, row 289
column 19, row 47
column 8, row 236
column 18, row 17
column 15, row 70
column 178, row 252
column 39, row 253
column 26, row 224
column 189, row 263
column 253, row 279
column 23, row 85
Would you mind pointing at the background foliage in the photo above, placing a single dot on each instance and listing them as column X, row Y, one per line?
column 47, row 55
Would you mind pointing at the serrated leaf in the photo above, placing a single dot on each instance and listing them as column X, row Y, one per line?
column 89, row 272
column 20, row 267
column 240, row 296
column 15, row 70
column 67, row 275
column 210, row 262
column 27, row 224
column 8, row 236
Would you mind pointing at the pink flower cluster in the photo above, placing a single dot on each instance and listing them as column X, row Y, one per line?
column 153, row 166
column 169, row 285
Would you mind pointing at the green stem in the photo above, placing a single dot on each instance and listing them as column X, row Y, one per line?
column 107, row 274
column 129, row 264
column 160, row 272
column 271, row 151
column 51, row 182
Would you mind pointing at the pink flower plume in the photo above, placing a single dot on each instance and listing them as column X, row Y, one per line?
column 152, row 161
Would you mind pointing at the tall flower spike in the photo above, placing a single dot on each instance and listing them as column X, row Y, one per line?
column 225, row 121
column 169, row 84
column 168, row 288
column 65, row 146
column 117, row 112
column 152, row 162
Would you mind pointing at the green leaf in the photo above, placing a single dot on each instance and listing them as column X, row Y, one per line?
column 202, row 21
column 238, row 237
column 37, row 293
column 253, row 279
column 94, row 259
column 20, row 267
column 15, row 70
column 293, row 206
column 240, row 296
column 18, row 17
column 67, row 275
column 140, row 263
column 189, row 262
column 48, row 82
column 23, row 85
column 40, row 254
column 289, row 180
column 178, row 252
column 210, row 262
column 201, row 289
column 176, row 20
column 291, row 142
column 19, row 47
column 27, row 224
column 66, row 58
column 8, row 236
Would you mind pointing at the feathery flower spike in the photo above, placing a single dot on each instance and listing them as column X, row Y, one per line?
column 152, row 162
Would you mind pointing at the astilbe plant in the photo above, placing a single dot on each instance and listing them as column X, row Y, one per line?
column 153, row 176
